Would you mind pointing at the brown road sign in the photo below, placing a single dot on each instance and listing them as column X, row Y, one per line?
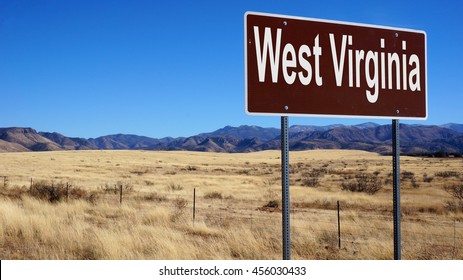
column 307, row 67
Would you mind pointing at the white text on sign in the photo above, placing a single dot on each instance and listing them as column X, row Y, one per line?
column 373, row 69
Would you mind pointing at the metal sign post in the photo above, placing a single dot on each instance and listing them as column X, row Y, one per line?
column 285, row 188
column 396, row 187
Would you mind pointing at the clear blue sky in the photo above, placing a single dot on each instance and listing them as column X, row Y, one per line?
column 89, row 68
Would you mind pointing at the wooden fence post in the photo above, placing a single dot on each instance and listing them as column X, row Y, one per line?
column 339, row 227
column 67, row 191
column 194, row 205
column 120, row 199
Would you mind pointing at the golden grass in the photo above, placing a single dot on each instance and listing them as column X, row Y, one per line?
column 155, row 218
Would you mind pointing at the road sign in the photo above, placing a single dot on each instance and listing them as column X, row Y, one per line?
column 312, row 67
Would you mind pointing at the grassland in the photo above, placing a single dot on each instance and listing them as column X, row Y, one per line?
column 237, row 206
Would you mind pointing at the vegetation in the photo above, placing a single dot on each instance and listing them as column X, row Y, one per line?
column 72, row 209
column 213, row 195
column 456, row 191
column 367, row 183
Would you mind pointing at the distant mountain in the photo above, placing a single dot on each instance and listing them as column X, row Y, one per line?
column 414, row 139
column 28, row 138
column 69, row 143
column 310, row 128
column 367, row 125
column 11, row 147
column 123, row 142
column 454, row 126
column 245, row 132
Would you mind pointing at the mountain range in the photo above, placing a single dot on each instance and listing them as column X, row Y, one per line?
column 414, row 139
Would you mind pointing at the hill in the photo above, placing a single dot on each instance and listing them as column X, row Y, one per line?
column 414, row 139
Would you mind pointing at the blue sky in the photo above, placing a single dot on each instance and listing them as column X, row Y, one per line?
column 176, row 68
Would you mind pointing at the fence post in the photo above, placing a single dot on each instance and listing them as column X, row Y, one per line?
column 251, row 221
column 339, row 227
column 120, row 199
column 194, row 205
column 67, row 191
column 454, row 237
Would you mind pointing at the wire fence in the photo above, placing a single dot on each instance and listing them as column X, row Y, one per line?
column 438, row 235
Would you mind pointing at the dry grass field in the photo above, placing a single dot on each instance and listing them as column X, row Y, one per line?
column 66, row 205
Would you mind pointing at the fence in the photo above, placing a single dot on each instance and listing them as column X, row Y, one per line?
column 437, row 235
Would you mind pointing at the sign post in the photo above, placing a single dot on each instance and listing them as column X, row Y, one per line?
column 285, row 189
column 396, row 188
column 298, row 66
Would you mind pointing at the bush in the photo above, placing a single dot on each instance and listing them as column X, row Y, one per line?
column 312, row 178
column 427, row 179
column 56, row 192
column 213, row 195
column 126, row 187
column 191, row 168
column 456, row 191
column 140, row 171
column 154, row 196
column 272, row 204
column 180, row 205
column 109, row 188
column 312, row 182
column 363, row 182
column 174, row 187
column 447, row 174
column 44, row 190
column 407, row 175
column 414, row 183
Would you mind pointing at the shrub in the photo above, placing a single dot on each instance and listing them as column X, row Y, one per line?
column 312, row 182
column 447, row 174
column 140, row 171
column 270, row 193
column 109, row 188
column 272, row 204
column 456, row 191
column 414, row 183
column 5, row 181
column 363, row 182
column 427, row 179
column 149, row 183
column 213, row 195
column 174, row 187
column 56, row 192
column 154, row 196
column 125, row 186
column 407, row 175
column 180, row 205
column 191, row 168
column 312, row 178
